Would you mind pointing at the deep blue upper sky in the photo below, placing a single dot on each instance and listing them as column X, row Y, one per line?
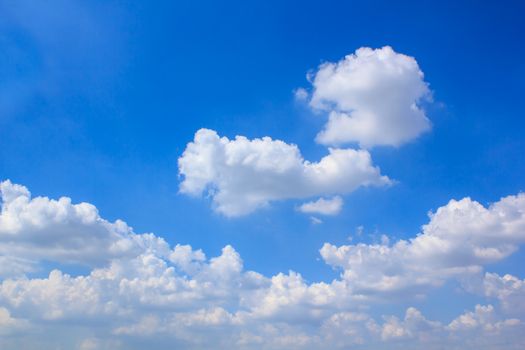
column 98, row 100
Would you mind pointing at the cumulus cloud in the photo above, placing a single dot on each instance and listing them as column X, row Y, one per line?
column 373, row 98
column 508, row 289
column 460, row 238
column 484, row 318
column 242, row 175
column 322, row 206
column 36, row 229
column 167, row 297
column 413, row 325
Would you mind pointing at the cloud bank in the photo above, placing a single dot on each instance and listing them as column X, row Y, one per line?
column 38, row 229
column 152, row 293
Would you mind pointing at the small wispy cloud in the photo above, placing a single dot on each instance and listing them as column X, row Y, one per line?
column 323, row 206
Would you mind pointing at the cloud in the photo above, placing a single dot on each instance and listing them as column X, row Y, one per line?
column 178, row 297
column 460, row 238
column 483, row 318
column 36, row 229
column 331, row 206
column 8, row 324
column 242, row 175
column 315, row 221
column 372, row 97
column 508, row 289
column 413, row 325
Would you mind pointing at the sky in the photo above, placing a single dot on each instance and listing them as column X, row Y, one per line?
column 262, row 175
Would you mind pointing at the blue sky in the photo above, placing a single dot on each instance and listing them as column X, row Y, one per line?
column 99, row 100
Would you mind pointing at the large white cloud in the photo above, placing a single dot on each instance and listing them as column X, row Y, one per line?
column 166, row 297
column 460, row 238
column 372, row 97
column 242, row 175
column 36, row 229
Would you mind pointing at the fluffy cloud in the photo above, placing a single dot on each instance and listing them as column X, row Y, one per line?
column 460, row 238
column 508, row 289
column 330, row 206
column 177, row 297
column 146, row 299
column 36, row 229
column 372, row 97
column 413, row 325
column 8, row 324
column 242, row 175
column 484, row 318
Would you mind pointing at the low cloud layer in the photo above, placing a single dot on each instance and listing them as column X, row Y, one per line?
column 176, row 296
column 242, row 175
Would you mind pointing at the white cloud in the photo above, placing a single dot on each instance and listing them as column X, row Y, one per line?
column 508, row 289
column 13, row 266
column 414, row 325
column 242, row 175
column 330, row 206
column 460, row 238
column 372, row 97
column 483, row 318
column 178, row 297
column 35, row 229
column 347, row 329
column 8, row 324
